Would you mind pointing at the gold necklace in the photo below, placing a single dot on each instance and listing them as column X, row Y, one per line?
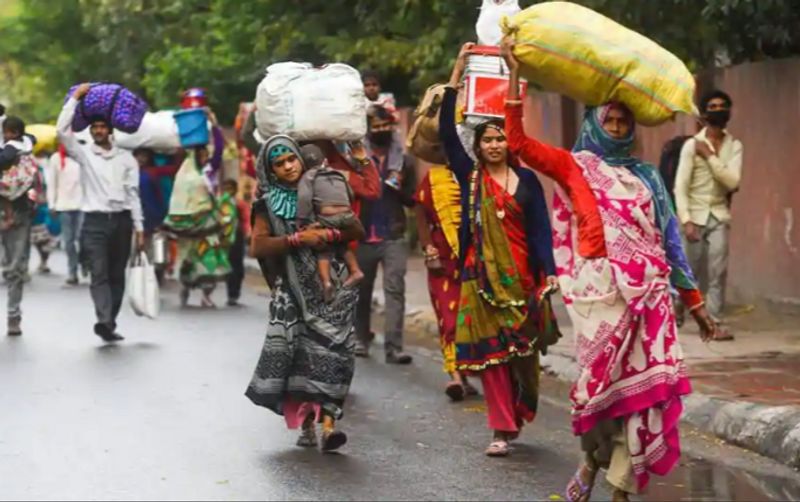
column 498, row 202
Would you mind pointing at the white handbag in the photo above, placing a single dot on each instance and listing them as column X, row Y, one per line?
column 143, row 291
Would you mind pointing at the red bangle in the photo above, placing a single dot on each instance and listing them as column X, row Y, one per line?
column 293, row 240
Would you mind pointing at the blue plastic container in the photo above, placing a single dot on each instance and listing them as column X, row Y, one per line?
column 192, row 127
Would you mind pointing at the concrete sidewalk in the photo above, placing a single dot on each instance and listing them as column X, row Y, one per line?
column 746, row 392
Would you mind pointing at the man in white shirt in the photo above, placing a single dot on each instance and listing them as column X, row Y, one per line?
column 709, row 172
column 112, row 211
column 64, row 197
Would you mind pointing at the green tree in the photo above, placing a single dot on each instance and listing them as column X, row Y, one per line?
column 160, row 47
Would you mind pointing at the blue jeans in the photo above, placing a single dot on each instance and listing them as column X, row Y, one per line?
column 71, row 222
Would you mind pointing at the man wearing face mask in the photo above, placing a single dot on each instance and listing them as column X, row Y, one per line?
column 708, row 174
column 384, row 221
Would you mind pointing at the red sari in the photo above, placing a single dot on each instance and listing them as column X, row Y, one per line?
column 438, row 197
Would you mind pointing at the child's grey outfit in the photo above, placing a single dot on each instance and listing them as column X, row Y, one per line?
column 325, row 186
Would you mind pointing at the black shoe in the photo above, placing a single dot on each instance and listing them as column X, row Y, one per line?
column 107, row 333
column 398, row 358
column 14, row 326
column 72, row 281
column 232, row 302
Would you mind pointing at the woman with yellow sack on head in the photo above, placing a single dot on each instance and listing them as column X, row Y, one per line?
column 618, row 253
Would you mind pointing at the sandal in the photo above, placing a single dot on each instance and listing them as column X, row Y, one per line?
column 584, row 489
column 308, row 438
column 333, row 440
column 455, row 391
column 498, row 448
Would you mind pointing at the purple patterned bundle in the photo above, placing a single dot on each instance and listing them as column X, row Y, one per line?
column 113, row 102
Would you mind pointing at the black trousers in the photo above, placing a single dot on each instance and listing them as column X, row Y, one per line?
column 236, row 257
column 106, row 249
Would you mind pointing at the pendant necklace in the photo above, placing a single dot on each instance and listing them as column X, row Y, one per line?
column 498, row 201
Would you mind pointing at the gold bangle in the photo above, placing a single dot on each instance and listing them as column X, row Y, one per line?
column 513, row 101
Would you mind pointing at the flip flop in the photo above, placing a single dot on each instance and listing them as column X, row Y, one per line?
column 455, row 391
column 584, row 490
column 498, row 448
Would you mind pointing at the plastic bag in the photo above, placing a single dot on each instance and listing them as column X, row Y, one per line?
column 575, row 51
column 158, row 131
column 492, row 13
column 143, row 291
column 308, row 103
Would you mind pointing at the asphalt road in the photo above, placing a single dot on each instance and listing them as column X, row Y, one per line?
column 163, row 416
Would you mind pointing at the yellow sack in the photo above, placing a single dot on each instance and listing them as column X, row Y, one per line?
column 573, row 50
column 46, row 139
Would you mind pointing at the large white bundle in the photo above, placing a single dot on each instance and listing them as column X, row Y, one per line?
column 312, row 103
column 158, row 132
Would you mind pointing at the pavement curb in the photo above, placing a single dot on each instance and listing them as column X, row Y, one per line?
column 771, row 431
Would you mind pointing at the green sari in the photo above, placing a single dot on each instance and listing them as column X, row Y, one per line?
column 205, row 227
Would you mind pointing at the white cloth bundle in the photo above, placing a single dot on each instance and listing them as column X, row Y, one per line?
column 309, row 103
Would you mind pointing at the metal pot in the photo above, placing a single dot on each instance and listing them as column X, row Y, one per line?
column 160, row 254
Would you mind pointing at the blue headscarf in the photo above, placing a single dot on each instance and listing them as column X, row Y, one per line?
column 617, row 153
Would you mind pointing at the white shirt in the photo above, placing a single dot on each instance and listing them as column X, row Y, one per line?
column 702, row 186
column 64, row 191
column 109, row 178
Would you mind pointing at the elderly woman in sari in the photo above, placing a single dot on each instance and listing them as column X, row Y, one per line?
column 205, row 226
column 308, row 360
column 507, row 267
column 618, row 253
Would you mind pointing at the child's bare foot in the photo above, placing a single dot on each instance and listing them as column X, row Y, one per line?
column 328, row 291
column 354, row 279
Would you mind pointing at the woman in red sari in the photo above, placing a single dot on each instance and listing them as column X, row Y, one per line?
column 507, row 266
column 438, row 213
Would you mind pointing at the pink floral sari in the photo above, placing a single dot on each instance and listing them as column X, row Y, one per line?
column 627, row 345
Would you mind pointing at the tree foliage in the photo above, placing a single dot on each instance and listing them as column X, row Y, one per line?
column 159, row 47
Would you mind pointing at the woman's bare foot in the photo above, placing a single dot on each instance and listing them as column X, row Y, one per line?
column 580, row 486
column 354, row 279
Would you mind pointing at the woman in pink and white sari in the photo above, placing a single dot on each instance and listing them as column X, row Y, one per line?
column 618, row 254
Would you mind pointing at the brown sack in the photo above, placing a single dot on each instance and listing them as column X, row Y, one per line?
column 423, row 138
